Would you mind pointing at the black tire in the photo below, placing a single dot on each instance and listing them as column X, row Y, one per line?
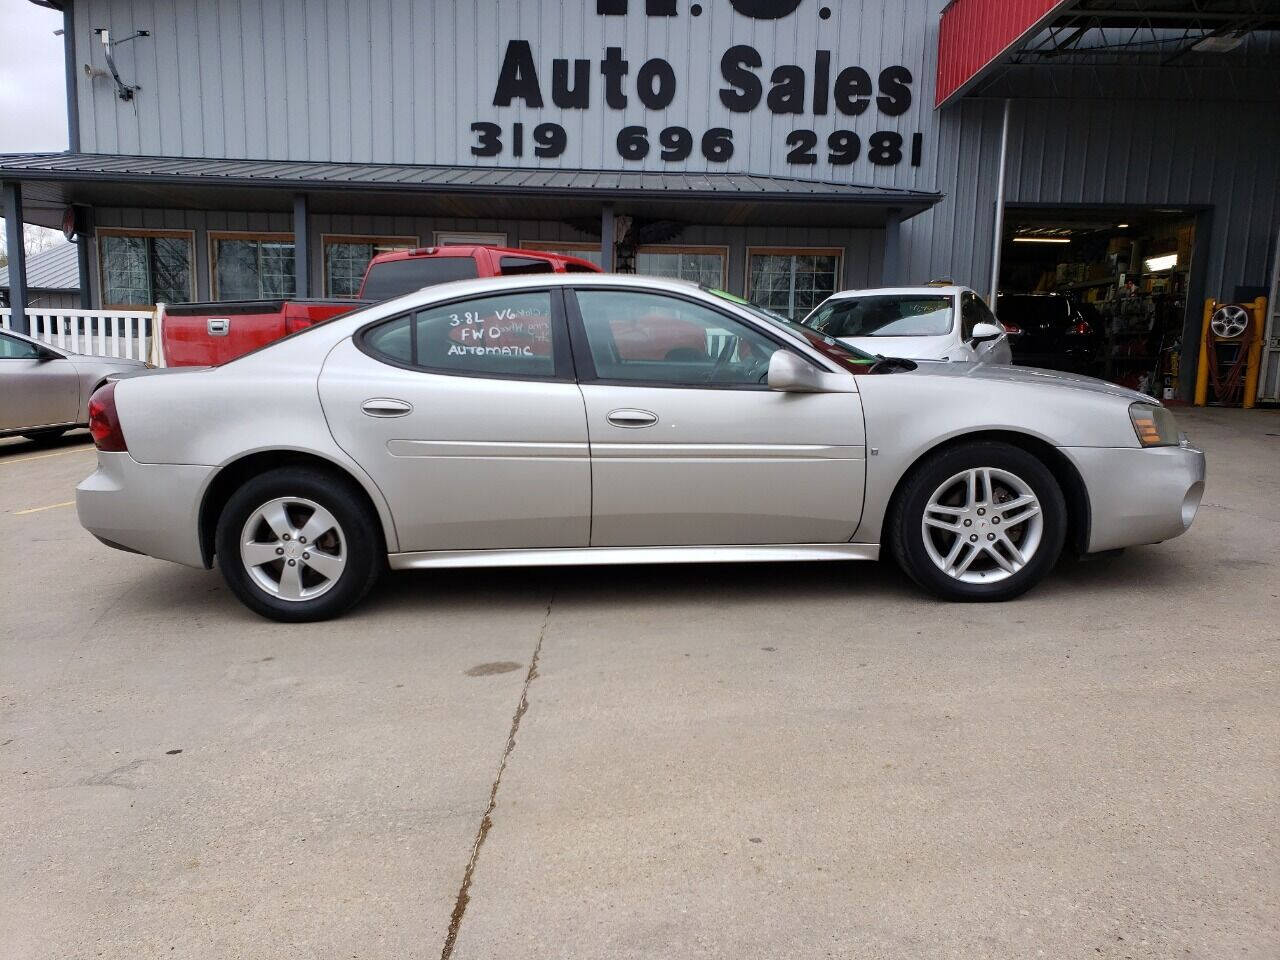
column 906, row 535
column 357, row 528
column 46, row 436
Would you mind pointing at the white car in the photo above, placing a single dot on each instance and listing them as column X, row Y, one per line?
column 918, row 323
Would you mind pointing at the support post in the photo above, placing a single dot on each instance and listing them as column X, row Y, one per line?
column 998, row 231
column 86, row 279
column 892, row 267
column 73, row 76
column 607, row 250
column 301, row 247
column 17, row 255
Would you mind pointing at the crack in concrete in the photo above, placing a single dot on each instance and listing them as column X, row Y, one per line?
column 486, row 822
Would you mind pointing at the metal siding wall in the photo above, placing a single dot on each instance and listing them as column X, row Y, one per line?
column 1142, row 153
column 402, row 80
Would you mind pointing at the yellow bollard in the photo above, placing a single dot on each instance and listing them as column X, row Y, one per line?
column 1254, row 367
column 1202, row 368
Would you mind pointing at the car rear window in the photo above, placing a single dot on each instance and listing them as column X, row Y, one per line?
column 506, row 335
column 883, row 315
column 395, row 278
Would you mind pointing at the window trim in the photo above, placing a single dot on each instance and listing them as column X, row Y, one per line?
column 189, row 235
column 837, row 252
column 259, row 235
column 561, row 351
column 584, row 363
column 402, row 243
column 692, row 248
column 474, row 238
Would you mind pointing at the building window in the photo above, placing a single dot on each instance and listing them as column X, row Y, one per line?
column 704, row 265
column 792, row 281
column 347, row 258
column 252, row 266
column 583, row 251
column 139, row 268
column 451, row 238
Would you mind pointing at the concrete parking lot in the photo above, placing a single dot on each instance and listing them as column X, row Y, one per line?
column 735, row 761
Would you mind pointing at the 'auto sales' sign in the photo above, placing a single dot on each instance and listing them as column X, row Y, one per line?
column 811, row 92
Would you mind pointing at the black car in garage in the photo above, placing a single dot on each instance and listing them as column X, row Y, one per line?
column 1050, row 330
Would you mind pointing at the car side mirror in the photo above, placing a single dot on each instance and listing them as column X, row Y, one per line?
column 985, row 331
column 44, row 353
column 790, row 373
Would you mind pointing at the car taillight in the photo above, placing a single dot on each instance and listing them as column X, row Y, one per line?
column 104, row 422
column 1082, row 328
column 1012, row 329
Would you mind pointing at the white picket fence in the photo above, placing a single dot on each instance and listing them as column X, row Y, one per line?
column 100, row 333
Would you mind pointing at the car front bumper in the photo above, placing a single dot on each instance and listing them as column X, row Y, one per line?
column 1139, row 495
column 151, row 508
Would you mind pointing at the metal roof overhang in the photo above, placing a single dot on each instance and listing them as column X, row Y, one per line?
column 1090, row 49
column 52, row 181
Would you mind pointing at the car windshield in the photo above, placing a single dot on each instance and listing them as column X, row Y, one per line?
column 883, row 315
column 851, row 358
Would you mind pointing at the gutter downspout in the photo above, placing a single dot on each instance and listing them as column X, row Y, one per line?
column 998, row 230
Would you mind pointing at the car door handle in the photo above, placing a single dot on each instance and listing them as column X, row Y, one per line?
column 632, row 418
column 386, row 407
column 218, row 326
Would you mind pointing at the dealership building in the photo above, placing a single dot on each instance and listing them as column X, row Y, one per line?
column 1122, row 154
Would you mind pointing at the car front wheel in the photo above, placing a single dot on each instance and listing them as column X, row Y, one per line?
column 980, row 521
column 298, row 544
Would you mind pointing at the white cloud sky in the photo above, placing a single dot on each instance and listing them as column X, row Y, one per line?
column 33, row 99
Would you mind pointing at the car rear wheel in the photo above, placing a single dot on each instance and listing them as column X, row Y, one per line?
column 298, row 544
column 980, row 521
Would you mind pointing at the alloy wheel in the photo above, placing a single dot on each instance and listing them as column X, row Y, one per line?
column 982, row 525
column 293, row 548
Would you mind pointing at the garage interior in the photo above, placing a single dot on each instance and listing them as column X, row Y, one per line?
column 1100, row 291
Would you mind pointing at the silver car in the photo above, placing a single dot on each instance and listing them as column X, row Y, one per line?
column 580, row 419
column 933, row 322
column 44, row 391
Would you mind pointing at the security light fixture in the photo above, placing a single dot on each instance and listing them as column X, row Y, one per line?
column 1122, row 226
column 1041, row 239
column 1164, row 262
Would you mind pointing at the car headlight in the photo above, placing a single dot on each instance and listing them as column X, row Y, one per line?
column 1154, row 425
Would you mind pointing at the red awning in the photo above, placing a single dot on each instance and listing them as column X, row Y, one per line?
column 974, row 33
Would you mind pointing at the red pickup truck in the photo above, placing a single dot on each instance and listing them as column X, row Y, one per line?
column 206, row 334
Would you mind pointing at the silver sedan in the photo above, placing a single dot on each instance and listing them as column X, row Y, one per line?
column 46, row 390
column 607, row 419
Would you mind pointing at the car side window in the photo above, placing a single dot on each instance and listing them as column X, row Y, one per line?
column 971, row 314
column 635, row 336
column 505, row 335
column 515, row 266
column 11, row 348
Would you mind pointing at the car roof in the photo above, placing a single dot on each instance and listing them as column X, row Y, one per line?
column 469, row 250
column 924, row 289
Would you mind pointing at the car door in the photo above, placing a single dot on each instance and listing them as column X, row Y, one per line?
column 37, row 392
column 467, row 417
column 688, row 443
